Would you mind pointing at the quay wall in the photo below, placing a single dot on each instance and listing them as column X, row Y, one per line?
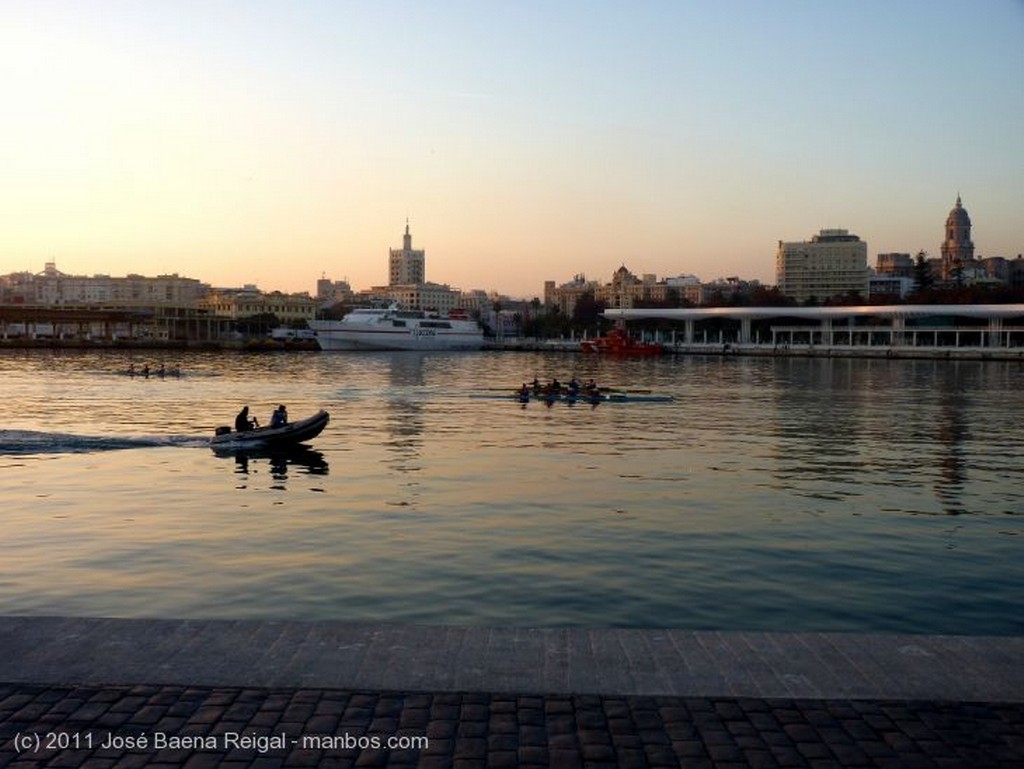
column 856, row 351
column 548, row 346
column 798, row 351
column 250, row 345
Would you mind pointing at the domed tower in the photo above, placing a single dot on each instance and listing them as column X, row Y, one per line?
column 957, row 248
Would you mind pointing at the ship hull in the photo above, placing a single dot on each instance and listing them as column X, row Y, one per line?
column 336, row 336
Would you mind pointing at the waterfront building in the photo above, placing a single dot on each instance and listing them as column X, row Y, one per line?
column 834, row 262
column 889, row 286
column 249, row 301
column 53, row 288
column 957, row 247
column 330, row 292
column 729, row 290
column 626, row 290
column 1015, row 272
column 477, row 300
column 996, row 268
column 102, row 309
column 564, row 298
column 687, row 288
column 895, row 265
column 419, row 296
column 928, row 330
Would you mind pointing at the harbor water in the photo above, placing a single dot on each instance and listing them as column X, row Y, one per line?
column 770, row 494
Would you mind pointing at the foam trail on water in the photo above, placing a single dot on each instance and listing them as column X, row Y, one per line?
column 17, row 442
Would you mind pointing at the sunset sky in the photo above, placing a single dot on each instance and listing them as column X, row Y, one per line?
column 271, row 142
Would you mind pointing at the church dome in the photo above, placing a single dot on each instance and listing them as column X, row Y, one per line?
column 958, row 216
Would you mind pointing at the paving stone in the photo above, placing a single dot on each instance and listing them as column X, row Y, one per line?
column 414, row 717
column 472, row 729
column 530, row 734
column 503, row 723
column 502, row 759
column 470, row 747
column 501, row 704
column 532, row 754
column 688, row 749
column 480, row 730
column 565, row 759
column 475, row 712
column 563, row 742
column 438, row 729
column 502, row 742
column 556, row 705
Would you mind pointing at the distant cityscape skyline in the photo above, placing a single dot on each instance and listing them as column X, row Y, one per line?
column 408, row 266
column 270, row 143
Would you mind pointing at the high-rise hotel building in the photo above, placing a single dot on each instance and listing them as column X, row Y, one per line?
column 407, row 281
column 407, row 265
column 833, row 262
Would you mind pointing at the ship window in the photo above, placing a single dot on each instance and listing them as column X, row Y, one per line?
column 399, row 323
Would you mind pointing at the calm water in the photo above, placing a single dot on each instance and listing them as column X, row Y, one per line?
column 774, row 494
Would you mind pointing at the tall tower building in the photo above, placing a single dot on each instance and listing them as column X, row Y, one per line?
column 957, row 248
column 407, row 265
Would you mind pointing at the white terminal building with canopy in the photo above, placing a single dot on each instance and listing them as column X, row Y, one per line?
column 905, row 329
column 834, row 263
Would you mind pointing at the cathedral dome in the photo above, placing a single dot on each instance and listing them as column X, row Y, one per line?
column 958, row 216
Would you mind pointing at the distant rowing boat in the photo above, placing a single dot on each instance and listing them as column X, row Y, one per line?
column 579, row 397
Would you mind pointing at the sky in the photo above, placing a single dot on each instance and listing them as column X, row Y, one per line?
column 277, row 142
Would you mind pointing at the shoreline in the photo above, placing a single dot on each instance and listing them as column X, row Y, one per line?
column 550, row 346
column 245, row 345
column 791, row 351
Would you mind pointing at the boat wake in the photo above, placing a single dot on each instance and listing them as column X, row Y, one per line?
column 21, row 442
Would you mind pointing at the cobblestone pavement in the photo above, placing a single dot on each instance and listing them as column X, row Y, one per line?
column 194, row 727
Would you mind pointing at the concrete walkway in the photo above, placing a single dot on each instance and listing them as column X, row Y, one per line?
column 500, row 696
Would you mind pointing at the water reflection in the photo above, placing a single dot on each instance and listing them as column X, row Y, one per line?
column 821, row 421
column 403, row 415
column 301, row 459
column 773, row 494
column 952, row 439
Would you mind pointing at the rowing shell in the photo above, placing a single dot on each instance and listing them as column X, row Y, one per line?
column 582, row 397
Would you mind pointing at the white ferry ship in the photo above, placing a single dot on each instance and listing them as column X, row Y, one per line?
column 397, row 329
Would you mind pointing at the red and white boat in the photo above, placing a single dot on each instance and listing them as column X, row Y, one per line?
column 618, row 342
